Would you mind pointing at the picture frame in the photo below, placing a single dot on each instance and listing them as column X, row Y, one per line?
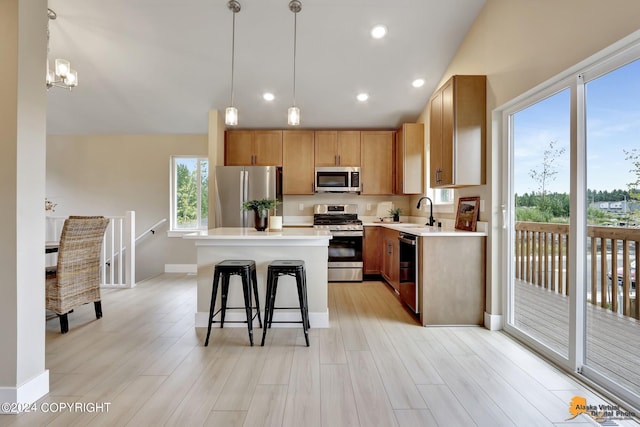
column 467, row 214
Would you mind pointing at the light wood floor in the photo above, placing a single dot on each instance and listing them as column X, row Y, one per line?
column 374, row 367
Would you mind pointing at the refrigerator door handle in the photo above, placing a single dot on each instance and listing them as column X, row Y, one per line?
column 244, row 193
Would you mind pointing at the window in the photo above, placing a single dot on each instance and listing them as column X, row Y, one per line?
column 442, row 197
column 189, row 193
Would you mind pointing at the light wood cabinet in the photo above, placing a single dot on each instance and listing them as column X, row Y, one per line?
column 391, row 257
column 452, row 280
column 410, row 159
column 337, row 148
column 298, row 162
column 371, row 250
column 253, row 148
column 457, row 133
column 377, row 162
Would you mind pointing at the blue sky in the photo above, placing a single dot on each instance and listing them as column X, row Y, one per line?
column 613, row 124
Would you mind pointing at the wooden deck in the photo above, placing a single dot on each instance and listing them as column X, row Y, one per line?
column 613, row 340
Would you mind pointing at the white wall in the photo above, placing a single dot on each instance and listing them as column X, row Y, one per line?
column 110, row 174
column 22, row 146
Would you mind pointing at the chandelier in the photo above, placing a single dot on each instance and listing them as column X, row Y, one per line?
column 62, row 75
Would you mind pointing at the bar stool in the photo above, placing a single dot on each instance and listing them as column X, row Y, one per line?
column 246, row 269
column 294, row 268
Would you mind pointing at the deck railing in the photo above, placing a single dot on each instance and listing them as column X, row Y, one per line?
column 541, row 259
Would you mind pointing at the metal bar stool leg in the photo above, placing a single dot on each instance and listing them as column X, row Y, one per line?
column 246, row 290
column 306, row 301
column 254, row 280
column 214, row 292
column 225, row 294
column 268, row 302
column 302, row 300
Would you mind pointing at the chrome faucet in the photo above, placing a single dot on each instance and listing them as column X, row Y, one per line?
column 431, row 219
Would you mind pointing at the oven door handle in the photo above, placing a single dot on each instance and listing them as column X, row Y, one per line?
column 347, row 233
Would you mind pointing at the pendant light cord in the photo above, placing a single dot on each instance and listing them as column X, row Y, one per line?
column 295, row 32
column 233, row 53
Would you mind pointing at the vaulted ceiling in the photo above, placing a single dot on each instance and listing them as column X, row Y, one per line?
column 158, row 66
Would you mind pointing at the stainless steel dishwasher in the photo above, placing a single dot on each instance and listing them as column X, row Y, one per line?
column 409, row 274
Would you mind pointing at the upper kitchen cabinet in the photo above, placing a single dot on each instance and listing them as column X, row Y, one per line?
column 410, row 159
column 376, row 174
column 253, row 148
column 337, row 148
column 457, row 133
column 297, row 162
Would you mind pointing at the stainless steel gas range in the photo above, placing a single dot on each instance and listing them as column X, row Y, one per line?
column 345, row 246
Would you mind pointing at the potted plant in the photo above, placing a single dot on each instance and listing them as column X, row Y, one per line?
column 260, row 210
column 395, row 213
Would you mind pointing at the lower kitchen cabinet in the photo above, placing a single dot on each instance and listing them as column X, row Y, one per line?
column 391, row 257
column 452, row 280
column 371, row 250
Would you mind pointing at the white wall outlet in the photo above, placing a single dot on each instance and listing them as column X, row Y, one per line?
column 300, row 207
column 368, row 206
column 481, row 205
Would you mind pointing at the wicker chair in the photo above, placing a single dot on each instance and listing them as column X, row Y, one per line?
column 76, row 278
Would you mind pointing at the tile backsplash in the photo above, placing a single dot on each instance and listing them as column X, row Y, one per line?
column 367, row 205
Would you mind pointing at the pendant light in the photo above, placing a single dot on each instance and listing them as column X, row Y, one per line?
column 293, row 114
column 231, row 113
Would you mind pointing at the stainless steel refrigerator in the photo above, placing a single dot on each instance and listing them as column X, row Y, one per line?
column 236, row 184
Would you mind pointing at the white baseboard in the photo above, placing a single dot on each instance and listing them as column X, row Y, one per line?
column 181, row 268
column 316, row 319
column 493, row 322
column 27, row 393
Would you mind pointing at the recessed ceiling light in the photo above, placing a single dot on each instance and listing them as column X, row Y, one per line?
column 379, row 31
column 418, row 83
column 362, row 97
column 268, row 96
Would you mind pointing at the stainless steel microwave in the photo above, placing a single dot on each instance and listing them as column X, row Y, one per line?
column 338, row 179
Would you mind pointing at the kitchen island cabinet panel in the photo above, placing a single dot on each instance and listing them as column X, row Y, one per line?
column 452, row 280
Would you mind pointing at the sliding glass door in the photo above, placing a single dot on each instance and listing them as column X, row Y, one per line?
column 612, row 105
column 540, row 200
column 572, row 219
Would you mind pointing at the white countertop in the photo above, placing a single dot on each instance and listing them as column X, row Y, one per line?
column 249, row 236
column 426, row 231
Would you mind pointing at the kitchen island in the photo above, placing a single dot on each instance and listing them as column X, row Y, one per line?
column 306, row 244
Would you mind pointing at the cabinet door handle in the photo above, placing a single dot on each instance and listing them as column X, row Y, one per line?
column 339, row 160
